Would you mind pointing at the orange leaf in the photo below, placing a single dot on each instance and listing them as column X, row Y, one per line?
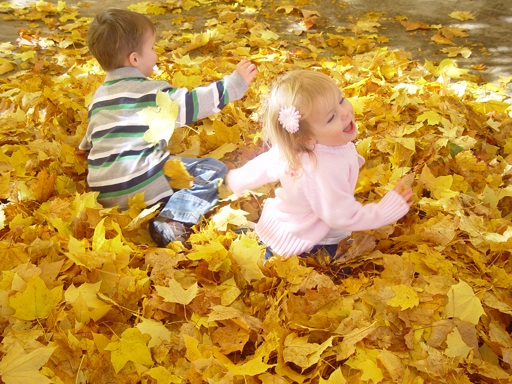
column 44, row 187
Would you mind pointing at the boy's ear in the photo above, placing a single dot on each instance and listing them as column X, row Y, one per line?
column 133, row 59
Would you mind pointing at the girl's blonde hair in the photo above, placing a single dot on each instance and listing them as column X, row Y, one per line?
column 305, row 90
column 114, row 34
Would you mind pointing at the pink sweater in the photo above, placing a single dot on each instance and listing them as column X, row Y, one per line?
column 316, row 206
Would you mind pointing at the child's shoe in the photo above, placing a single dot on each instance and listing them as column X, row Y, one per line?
column 164, row 231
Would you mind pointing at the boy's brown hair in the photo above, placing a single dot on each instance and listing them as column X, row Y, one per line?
column 114, row 34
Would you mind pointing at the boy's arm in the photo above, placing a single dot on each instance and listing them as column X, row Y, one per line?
column 205, row 101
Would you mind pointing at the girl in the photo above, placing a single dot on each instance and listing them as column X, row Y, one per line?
column 310, row 127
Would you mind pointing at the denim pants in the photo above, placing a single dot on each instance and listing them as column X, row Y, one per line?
column 190, row 204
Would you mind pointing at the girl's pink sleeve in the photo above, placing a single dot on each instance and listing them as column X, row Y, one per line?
column 259, row 171
column 341, row 210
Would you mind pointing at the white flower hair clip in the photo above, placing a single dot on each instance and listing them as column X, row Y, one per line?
column 289, row 118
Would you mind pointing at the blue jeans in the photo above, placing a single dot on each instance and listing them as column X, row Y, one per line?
column 190, row 204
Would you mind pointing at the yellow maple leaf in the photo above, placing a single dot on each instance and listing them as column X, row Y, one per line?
column 393, row 364
column 26, row 55
column 405, row 297
column 84, row 313
column 364, row 26
column 269, row 36
column 296, row 349
column 214, row 253
column 146, row 8
column 156, row 329
column 287, row 8
column 192, row 353
column 462, row 15
column 44, row 187
column 161, row 119
column 163, row 376
column 251, row 368
column 180, row 178
column 130, row 347
column 440, row 230
column 18, row 367
column 196, row 41
column 247, row 252
column 489, row 106
column 335, row 378
column 456, row 346
column 439, row 186
column 441, row 40
column 5, row 66
column 301, row 352
column 228, row 215
column 219, row 133
column 101, row 243
column 500, row 277
column 2, row 218
column 446, row 67
column 451, row 32
column 36, row 301
column 137, row 201
column 84, row 298
column 432, row 117
column 188, row 4
column 414, row 25
column 454, row 51
column 186, row 81
column 371, row 371
column 470, row 162
column 144, row 216
column 175, row 293
column 463, row 303
column 231, row 293
column 366, row 362
column 222, row 150
column 290, row 269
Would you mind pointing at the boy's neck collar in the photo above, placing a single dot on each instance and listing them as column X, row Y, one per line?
column 122, row 72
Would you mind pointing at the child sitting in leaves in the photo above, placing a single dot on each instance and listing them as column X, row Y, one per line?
column 120, row 162
column 310, row 126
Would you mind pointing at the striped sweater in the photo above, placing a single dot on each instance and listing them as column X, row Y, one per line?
column 120, row 162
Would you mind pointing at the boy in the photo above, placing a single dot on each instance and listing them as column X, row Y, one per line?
column 120, row 162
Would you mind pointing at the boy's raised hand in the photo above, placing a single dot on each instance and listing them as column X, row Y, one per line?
column 247, row 70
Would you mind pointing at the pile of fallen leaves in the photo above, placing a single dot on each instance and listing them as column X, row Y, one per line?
column 86, row 296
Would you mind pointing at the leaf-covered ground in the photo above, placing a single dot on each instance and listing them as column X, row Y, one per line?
column 86, row 296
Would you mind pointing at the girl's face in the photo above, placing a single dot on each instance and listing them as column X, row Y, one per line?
column 332, row 122
column 146, row 59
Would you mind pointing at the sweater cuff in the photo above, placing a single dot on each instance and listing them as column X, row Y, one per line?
column 235, row 183
column 235, row 85
column 393, row 207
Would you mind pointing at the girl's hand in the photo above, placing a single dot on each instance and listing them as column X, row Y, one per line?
column 247, row 70
column 406, row 195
